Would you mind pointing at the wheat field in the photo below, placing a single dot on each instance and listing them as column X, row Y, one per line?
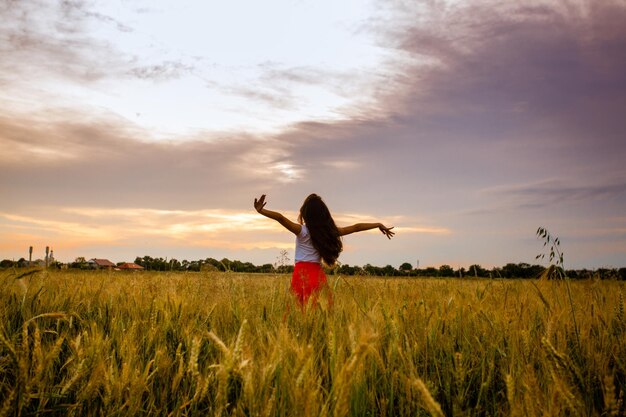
column 184, row 344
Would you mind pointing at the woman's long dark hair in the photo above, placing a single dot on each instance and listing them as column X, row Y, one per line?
column 322, row 228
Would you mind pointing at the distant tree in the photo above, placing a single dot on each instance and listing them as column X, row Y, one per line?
column 477, row 271
column 521, row 270
column 284, row 269
column 372, row 270
column 446, row 271
column 236, row 266
column 346, row 269
column 79, row 263
column 147, row 262
column 496, row 272
column 6, row 263
column 389, row 271
column 430, row 272
column 606, row 273
column 524, row 270
column 172, row 264
column 226, row 263
column 406, row 267
column 250, row 267
column 194, row 266
column 535, row 271
column 161, row 264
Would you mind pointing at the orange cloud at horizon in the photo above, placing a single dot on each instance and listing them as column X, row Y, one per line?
column 137, row 227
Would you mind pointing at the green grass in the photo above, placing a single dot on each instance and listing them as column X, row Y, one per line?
column 111, row 343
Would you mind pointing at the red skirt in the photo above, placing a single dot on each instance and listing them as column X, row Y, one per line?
column 308, row 279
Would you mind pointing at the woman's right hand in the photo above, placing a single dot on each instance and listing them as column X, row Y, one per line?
column 260, row 203
column 386, row 231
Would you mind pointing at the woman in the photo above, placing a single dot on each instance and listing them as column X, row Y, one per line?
column 318, row 240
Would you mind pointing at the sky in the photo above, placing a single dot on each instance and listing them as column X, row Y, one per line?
column 132, row 128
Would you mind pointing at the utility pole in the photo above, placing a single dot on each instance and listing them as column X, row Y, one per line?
column 30, row 256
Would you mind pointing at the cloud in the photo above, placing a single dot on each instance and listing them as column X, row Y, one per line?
column 210, row 228
column 167, row 70
column 423, row 230
column 275, row 85
column 503, row 65
column 285, row 87
column 108, row 19
column 402, row 225
column 60, row 161
column 523, row 90
column 71, row 228
column 273, row 95
column 43, row 40
column 547, row 193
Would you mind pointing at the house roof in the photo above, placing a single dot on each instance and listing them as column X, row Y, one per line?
column 130, row 265
column 103, row 262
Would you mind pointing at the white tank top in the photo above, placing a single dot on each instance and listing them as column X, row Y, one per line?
column 305, row 251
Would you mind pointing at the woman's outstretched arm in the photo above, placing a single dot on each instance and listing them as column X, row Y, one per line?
column 259, row 205
column 359, row 227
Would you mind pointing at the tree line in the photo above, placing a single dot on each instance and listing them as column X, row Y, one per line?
column 283, row 265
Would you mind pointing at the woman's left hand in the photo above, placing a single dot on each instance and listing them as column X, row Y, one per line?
column 260, row 203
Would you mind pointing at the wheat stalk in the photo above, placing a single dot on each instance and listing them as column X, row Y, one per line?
column 611, row 404
column 428, row 401
column 192, row 367
column 342, row 395
column 78, row 372
column 6, row 404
